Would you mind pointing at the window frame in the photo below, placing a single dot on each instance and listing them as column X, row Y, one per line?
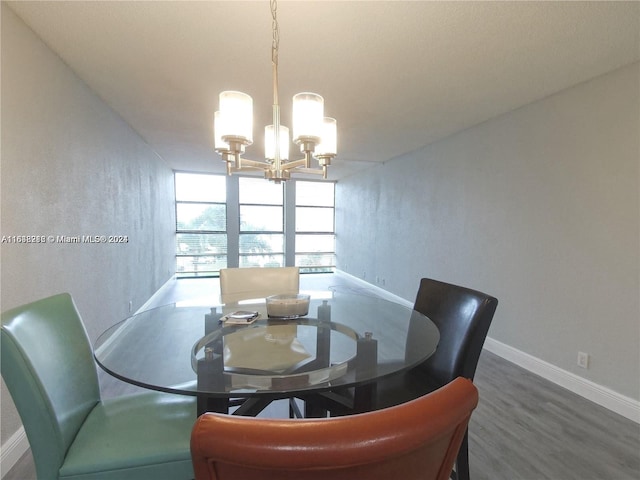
column 241, row 232
column 233, row 231
column 321, row 268
column 179, row 231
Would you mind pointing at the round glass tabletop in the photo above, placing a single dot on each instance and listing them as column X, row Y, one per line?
column 345, row 340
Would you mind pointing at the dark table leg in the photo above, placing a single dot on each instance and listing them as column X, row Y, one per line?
column 211, row 378
column 212, row 404
column 364, row 397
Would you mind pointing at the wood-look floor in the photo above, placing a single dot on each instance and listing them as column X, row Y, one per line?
column 525, row 428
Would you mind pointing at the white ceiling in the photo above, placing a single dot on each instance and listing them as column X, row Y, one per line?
column 397, row 75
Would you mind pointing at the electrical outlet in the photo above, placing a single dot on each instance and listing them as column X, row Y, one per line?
column 583, row 360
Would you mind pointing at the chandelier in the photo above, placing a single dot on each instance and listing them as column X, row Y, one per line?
column 315, row 134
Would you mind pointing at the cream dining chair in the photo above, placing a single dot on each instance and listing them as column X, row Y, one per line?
column 247, row 283
column 256, row 282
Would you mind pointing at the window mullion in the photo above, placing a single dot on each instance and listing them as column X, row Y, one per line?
column 290, row 224
column 233, row 221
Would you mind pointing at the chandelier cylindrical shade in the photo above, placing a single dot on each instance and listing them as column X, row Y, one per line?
column 236, row 116
column 270, row 142
column 329, row 140
column 308, row 112
column 314, row 133
column 218, row 143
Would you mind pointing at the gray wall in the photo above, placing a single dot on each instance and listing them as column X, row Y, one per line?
column 538, row 207
column 71, row 166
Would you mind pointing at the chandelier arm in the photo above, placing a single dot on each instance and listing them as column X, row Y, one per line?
column 254, row 163
column 311, row 171
column 294, row 164
column 246, row 168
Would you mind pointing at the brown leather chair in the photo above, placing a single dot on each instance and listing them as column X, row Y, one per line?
column 463, row 317
column 416, row 440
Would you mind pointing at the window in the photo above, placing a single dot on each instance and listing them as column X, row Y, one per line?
column 315, row 220
column 201, row 224
column 229, row 221
column 261, row 238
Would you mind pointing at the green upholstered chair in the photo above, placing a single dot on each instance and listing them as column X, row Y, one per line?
column 48, row 366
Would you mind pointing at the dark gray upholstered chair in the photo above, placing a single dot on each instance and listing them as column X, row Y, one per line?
column 463, row 317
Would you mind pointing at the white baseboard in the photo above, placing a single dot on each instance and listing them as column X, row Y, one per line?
column 377, row 290
column 603, row 396
column 158, row 294
column 12, row 450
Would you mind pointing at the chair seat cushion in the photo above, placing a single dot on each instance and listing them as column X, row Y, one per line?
column 142, row 436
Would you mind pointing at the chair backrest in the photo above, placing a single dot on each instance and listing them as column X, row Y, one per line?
column 47, row 364
column 415, row 440
column 255, row 282
column 463, row 317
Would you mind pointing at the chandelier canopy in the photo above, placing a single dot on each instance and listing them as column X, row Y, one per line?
column 315, row 134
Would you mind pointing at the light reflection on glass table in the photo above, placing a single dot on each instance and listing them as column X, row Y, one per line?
column 347, row 340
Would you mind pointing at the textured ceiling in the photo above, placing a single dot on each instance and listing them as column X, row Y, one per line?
column 396, row 75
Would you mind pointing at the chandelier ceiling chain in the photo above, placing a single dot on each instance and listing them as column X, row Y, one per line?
column 314, row 133
column 275, row 43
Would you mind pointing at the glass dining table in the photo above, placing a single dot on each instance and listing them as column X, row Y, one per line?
column 346, row 341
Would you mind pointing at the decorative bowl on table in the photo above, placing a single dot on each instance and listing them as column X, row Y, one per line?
column 287, row 306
